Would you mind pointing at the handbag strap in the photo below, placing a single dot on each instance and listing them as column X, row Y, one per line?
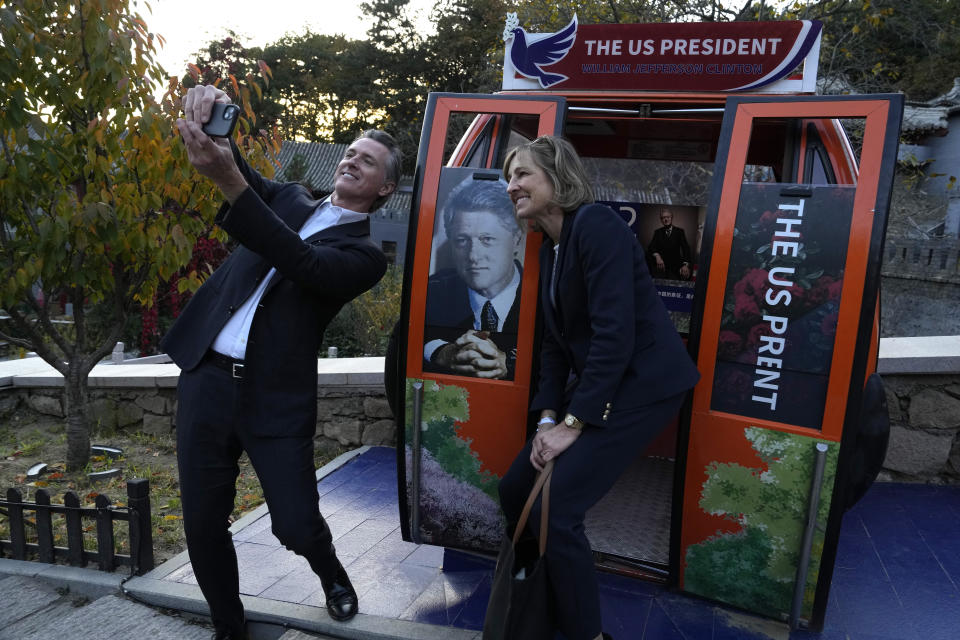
column 542, row 483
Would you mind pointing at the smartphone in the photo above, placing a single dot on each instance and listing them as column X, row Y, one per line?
column 222, row 120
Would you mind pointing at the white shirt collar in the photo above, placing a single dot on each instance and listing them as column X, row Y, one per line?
column 502, row 302
column 328, row 215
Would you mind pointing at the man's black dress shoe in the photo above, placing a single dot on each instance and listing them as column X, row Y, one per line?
column 341, row 598
column 226, row 634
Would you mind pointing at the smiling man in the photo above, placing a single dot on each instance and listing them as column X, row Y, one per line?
column 473, row 308
column 247, row 347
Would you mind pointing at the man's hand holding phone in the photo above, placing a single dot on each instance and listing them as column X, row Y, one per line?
column 210, row 156
column 223, row 119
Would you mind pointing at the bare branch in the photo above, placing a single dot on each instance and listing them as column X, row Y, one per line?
column 49, row 328
column 14, row 340
column 613, row 10
column 38, row 344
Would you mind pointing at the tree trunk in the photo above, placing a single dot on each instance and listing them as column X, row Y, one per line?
column 78, row 423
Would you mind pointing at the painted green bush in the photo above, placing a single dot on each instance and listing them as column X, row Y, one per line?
column 755, row 568
column 443, row 406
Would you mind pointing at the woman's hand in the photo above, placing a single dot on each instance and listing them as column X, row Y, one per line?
column 550, row 443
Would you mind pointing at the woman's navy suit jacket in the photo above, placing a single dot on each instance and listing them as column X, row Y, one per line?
column 607, row 326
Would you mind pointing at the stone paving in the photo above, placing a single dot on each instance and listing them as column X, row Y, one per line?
column 34, row 610
column 896, row 577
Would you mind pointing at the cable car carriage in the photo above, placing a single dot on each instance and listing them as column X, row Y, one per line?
column 781, row 199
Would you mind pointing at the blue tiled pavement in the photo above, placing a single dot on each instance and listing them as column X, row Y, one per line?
column 897, row 574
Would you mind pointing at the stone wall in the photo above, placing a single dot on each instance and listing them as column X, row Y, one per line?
column 924, row 412
column 924, row 427
column 913, row 306
column 347, row 416
column 920, row 286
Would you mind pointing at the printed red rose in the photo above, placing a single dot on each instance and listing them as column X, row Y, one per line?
column 819, row 292
column 730, row 344
column 828, row 326
column 768, row 219
column 753, row 283
column 746, row 309
column 756, row 332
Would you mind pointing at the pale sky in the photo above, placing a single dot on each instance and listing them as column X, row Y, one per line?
column 189, row 25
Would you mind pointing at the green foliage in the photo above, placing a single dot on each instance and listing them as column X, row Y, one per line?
column 733, row 568
column 547, row 15
column 363, row 326
column 756, row 568
column 442, row 408
column 868, row 45
column 323, row 87
column 234, row 68
column 886, row 45
column 98, row 203
column 465, row 55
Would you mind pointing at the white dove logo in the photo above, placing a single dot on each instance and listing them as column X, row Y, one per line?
column 529, row 57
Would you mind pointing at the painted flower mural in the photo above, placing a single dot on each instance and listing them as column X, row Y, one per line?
column 459, row 505
column 755, row 567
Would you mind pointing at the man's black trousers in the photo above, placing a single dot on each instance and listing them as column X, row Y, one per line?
column 210, row 439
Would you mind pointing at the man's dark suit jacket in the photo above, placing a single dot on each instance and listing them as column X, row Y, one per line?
column 315, row 277
column 449, row 314
column 609, row 327
column 673, row 249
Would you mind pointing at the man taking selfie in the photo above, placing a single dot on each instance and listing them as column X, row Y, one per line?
column 247, row 348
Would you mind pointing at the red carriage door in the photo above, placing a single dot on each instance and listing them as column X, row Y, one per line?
column 781, row 333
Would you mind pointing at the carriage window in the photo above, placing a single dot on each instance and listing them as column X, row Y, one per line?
column 816, row 166
column 664, row 203
column 479, row 149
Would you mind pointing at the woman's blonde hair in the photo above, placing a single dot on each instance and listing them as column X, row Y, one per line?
column 559, row 160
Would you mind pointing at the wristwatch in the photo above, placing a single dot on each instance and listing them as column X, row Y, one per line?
column 573, row 422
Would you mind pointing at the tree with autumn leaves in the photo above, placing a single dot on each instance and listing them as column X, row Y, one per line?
column 98, row 203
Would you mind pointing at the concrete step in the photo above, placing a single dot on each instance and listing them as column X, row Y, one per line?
column 35, row 610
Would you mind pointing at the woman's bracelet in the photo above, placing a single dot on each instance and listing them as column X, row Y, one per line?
column 546, row 420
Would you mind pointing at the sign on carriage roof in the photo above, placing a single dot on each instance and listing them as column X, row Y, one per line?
column 684, row 56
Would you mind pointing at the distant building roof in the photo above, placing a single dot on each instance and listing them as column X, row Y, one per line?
column 319, row 159
column 919, row 118
column 931, row 116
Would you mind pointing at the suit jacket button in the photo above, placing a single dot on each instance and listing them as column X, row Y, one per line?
column 609, row 405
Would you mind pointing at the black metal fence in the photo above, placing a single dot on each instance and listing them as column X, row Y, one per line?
column 934, row 259
column 104, row 514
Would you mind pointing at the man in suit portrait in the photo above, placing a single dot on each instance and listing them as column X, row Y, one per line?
column 473, row 308
column 668, row 252
column 247, row 345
